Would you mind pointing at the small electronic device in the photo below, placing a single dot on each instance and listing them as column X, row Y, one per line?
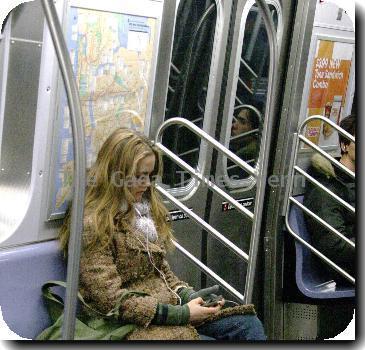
column 213, row 301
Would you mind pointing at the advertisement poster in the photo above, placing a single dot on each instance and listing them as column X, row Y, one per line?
column 328, row 86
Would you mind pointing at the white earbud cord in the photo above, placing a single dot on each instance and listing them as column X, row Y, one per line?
column 153, row 264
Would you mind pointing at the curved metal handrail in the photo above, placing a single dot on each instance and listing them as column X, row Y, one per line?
column 192, row 127
column 272, row 82
column 77, row 213
column 203, row 179
column 199, row 176
column 328, row 121
column 290, row 199
column 318, row 149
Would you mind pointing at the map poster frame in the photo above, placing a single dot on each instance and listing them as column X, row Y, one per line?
column 329, row 82
column 141, row 30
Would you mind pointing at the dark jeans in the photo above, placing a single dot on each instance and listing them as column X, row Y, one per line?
column 233, row 328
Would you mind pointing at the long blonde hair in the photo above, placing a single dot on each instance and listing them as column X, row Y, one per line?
column 108, row 200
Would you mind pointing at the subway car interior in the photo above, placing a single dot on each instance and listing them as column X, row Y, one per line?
column 238, row 95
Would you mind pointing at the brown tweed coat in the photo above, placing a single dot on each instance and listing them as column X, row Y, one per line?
column 105, row 273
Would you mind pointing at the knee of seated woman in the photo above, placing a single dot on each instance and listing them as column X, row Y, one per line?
column 244, row 327
column 252, row 327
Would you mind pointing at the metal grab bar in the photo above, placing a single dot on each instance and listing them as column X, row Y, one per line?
column 263, row 160
column 240, row 253
column 290, row 199
column 325, row 155
column 253, row 160
column 175, row 68
column 203, row 224
column 210, row 184
column 237, row 99
column 317, row 252
column 209, row 272
column 249, row 68
column 181, row 121
column 321, row 221
column 328, row 121
column 193, row 150
column 245, row 86
column 214, row 233
column 77, row 213
column 318, row 149
column 318, row 184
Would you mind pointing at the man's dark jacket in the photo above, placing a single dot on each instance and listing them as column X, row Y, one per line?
column 328, row 209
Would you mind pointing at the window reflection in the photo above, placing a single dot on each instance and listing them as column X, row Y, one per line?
column 244, row 132
column 245, row 137
column 188, row 82
column 251, row 92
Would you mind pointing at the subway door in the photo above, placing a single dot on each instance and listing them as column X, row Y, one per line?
column 243, row 132
column 189, row 87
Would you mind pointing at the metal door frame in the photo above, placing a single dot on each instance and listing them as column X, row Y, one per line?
column 295, row 72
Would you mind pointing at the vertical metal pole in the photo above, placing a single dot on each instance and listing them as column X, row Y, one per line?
column 263, row 162
column 77, row 213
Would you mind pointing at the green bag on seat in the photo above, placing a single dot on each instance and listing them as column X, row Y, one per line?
column 93, row 325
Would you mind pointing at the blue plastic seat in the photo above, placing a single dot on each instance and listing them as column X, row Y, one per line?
column 23, row 271
column 310, row 279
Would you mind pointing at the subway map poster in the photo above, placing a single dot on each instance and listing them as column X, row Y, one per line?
column 111, row 54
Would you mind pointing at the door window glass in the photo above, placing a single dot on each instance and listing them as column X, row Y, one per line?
column 188, row 84
column 251, row 92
